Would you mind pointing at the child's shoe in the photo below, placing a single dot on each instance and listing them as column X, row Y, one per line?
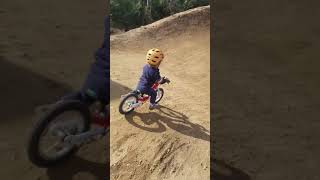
column 153, row 106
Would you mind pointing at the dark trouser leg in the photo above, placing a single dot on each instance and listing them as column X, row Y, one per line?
column 96, row 87
column 148, row 90
column 90, row 88
column 153, row 95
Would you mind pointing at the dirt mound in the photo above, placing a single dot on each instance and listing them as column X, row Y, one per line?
column 266, row 105
column 191, row 22
column 114, row 31
column 171, row 142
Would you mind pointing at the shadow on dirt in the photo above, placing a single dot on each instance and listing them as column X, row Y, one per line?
column 173, row 119
column 116, row 90
column 76, row 165
column 222, row 171
column 23, row 90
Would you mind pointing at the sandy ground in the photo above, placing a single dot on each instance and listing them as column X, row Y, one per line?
column 266, row 120
column 42, row 43
column 173, row 141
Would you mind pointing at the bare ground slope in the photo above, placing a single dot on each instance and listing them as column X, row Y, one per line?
column 266, row 119
column 45, row 51
column 173, row 141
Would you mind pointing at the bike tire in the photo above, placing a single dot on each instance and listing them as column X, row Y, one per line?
column 124, row 100
column 162, row 93
column 33, row 142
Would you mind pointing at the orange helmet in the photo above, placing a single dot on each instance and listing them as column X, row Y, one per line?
column 154, row 57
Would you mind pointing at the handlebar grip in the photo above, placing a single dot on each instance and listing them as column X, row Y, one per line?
column 164, row 80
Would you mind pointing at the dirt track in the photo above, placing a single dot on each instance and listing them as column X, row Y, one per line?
column 173, row 141
column 42, row 43
column 266, row 120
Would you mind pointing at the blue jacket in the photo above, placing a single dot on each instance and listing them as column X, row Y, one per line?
column 99, row 74
column 102, row 55
column 149, row 76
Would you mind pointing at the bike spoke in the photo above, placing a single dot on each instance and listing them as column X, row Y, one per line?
column 54, row 146
column 51, row 143
column 127, row 105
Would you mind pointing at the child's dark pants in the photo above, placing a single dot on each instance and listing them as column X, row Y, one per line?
column 151, row 92
column 96, row 85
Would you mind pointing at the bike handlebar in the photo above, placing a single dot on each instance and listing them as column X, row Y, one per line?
column 164, row 80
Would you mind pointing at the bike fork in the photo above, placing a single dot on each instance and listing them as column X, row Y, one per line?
column 85, row 137
column 135, row 105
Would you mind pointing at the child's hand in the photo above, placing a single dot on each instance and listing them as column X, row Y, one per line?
column 167, row 80
column 164, row 80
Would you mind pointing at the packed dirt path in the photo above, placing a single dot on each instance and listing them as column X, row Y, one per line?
column 171, row 142
column 266, row 99
column 45, row 51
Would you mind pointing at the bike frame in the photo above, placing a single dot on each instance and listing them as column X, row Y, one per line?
column 145, row 98
column 95, row 117
column 100, row 121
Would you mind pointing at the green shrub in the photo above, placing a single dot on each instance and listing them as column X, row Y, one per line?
column 128, row 14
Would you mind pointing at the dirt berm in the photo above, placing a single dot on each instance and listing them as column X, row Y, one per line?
column 266, row 99
column 171, row 142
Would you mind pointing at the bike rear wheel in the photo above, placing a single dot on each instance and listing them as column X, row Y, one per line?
column 46, row 145
column 126, row 103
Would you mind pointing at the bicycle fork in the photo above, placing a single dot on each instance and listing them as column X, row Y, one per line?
column 85, row 137
column 135, row 105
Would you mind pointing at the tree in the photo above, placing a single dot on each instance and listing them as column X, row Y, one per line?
column 128, row 14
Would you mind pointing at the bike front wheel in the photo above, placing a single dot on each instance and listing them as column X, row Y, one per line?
column 126, row 104
column 46, row 145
